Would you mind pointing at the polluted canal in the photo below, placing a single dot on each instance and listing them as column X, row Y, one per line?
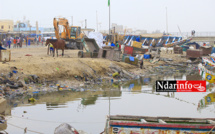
column 86, row 109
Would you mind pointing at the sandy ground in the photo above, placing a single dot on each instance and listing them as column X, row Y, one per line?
column 46, row 66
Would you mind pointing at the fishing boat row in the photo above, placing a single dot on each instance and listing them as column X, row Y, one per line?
column 126, row 124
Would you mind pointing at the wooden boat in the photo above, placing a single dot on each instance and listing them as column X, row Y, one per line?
column 206, row 74
column 122, row 124
column 206, row 101
column 208, row 61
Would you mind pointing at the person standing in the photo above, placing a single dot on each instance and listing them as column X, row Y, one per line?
column 14, row 42
column 5, row 43
column 37, row 41
column 51, row 48
column 18, row 43
column 26, row 41
column 104, row 43
column 21, row 40
column 141, row 64
column 29, row 42
column 9, row 43
column 118, row 45
column 43, row 40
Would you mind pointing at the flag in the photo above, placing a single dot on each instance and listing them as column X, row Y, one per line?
column 108, row 2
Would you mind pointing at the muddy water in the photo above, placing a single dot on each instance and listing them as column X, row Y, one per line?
column 87, row 110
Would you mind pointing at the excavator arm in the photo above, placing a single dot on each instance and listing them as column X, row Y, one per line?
column 55, row 23
column 66, row 31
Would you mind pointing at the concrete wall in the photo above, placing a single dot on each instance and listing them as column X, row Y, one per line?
column 6, row 25
column 210, row 39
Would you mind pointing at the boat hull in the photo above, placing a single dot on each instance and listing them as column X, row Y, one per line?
column 153, row 125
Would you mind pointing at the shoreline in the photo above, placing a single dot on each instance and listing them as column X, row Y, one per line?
column 34, row 66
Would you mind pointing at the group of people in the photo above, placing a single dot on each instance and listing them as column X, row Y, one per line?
column 118, row 45
column 7, row 42
column 17, row 41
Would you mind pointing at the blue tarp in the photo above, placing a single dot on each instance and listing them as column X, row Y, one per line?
column 138, row 39
column 146, row 56
column 131, row 58
column 213, row 50
column 131, row 86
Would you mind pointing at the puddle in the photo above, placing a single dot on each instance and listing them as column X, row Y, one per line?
column 87, row 110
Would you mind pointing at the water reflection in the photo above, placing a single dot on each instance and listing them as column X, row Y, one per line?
column 88, row 109
column 59, row 99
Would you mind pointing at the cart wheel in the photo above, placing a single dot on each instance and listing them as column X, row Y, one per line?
column 80, row 54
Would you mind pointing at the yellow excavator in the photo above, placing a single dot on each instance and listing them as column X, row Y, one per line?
column 115, row 37
column 71, row 34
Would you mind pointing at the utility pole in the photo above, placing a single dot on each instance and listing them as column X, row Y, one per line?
column 166, row 22
column 97, row 21
column 72, row 20
column 30, row 29
column 109, row 19
column 85, row 23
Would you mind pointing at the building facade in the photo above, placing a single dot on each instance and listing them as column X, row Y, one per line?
column 6, row 25
column 25, row 27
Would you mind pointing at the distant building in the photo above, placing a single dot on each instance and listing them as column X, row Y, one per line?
column 6, row 25
column 138, row 32
column 25, row 27
column 156, row 31
column 48, row 29
column 118, row 28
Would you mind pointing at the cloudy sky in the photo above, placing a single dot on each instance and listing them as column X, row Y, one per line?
column 149, row 15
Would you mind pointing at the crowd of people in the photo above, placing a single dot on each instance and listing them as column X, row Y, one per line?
column 17, row 41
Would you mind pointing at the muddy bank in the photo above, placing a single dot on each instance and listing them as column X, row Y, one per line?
column 32, row 68
column 36, row 61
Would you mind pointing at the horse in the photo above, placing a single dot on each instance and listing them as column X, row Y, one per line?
column 57, row 44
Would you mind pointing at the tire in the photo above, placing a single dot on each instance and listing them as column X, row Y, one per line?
column 80, row 54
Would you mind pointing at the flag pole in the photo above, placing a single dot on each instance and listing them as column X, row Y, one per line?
column 109, row 18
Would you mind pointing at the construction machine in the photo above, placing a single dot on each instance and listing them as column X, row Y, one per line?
column 115, row 37
column 71, row 34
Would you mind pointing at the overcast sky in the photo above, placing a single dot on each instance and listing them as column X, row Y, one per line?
column 147, row 15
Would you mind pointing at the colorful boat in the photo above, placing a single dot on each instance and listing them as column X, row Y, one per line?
column 208, row 61
column 206, row 101
column 122, row 124
column 206, row 74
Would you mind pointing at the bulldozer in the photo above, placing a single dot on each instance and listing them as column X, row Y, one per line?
column 115, row 37
column 71, row 34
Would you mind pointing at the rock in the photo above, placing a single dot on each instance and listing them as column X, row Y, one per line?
column 65, row 129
